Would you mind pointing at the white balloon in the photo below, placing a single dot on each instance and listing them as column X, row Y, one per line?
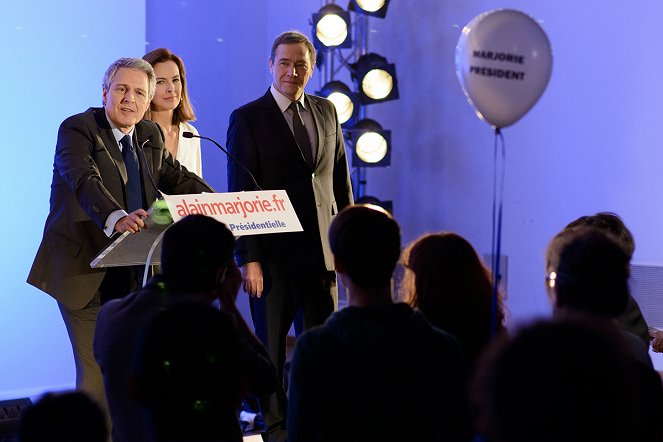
column 503, row 62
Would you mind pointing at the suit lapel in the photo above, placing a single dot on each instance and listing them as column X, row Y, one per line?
column 275, row 116
column 106, row 135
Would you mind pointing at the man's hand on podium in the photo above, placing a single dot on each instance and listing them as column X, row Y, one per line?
column 133, row 222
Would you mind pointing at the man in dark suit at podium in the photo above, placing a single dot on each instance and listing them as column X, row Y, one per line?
column 293, row 141
column 107, row 166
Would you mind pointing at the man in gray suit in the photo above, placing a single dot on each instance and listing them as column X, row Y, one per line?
column 107, row 166
column 293, row 141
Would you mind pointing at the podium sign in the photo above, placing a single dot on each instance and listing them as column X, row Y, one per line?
column 245, row 213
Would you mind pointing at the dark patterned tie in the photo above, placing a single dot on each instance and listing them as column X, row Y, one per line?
column 301, row 134
column 134, row 188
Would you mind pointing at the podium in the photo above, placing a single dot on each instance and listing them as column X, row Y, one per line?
column 244, row 213
column 134, row 249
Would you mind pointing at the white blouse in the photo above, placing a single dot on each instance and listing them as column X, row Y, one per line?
column 188, row 150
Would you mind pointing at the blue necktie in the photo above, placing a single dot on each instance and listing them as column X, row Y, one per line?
column 301, row 134
column 134, row 188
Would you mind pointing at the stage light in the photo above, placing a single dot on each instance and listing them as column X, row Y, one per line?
column 331, row 28
column 346, row 102
column 367, row 199
column 376, row 79
column 375, row 8
column 372, row 144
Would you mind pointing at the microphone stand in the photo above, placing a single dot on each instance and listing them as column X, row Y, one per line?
column 192, row 135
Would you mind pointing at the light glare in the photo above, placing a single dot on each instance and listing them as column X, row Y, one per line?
column 343, row 104
column 370, row 5
column 371, row 147
column 377, row 84
column 331, row 30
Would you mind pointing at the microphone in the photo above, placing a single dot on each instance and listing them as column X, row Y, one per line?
column 147, row 169
column 239, row 163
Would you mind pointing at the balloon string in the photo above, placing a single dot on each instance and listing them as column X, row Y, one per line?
column 498, row 200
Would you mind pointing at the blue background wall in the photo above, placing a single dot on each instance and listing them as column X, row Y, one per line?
column 54, row 58
column 591, row 143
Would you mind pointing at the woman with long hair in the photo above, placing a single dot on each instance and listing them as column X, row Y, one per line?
column 445, row 279
column 172, row 110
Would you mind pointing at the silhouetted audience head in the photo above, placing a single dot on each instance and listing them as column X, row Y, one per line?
column 611, row 223
column 188, row 374
column 562, row 381
column 631, row 319
column 196, row 252
column 588, row 271
column 366, row 243
column 445, row 279
column 71, row 417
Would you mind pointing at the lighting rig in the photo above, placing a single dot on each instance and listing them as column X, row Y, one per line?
column 373, row 81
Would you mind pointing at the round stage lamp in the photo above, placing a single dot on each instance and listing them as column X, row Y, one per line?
column 344, row 106
column 375, row 8
column 372, row 144
column 369, row 199
column 331, row 28
column 370, row 5
column 376, row 79
column 346, row 102
column 371, row 147
column 377, row 84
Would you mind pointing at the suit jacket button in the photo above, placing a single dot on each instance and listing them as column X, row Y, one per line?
column 96, row 209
